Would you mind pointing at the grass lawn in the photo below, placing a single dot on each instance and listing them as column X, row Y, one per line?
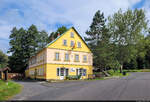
column 8, row 89
column 138, row 70
column 117, row 73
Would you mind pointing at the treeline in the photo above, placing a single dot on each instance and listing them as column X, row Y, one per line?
column 25, row 43
column 120, row 41
column 3, row 60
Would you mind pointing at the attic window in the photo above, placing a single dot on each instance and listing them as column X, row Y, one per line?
column 72, row 35
column 79, row 44
column 65, row 42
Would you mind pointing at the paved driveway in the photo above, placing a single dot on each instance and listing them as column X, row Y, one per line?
column 134, row 87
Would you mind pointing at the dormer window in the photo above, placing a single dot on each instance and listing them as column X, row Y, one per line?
column 72, row 35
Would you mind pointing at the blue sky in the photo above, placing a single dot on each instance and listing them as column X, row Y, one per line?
column 50, row 14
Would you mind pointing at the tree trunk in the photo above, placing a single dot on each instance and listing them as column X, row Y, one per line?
column 121, row 67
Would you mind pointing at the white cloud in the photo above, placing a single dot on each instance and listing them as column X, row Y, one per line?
column 46, row 13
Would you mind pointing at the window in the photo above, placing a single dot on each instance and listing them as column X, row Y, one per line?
column 58, row 71
column 66, row 57
column 67, row 70
column 31, row 72
column 37, row 71
column 77, row 71
column 40, row 57
column 79, row 44
column 42, row 71
column 33, row 60
column 84, row 72
column 62, row 72
column 84, row 58
column 80, row 72
column 76, row 57
column 72, row 35
column 72, row 43
column 30, row 62
column 65, row 42
column 57, row 56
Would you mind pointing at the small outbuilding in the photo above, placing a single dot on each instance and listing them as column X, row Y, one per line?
column 4, row 73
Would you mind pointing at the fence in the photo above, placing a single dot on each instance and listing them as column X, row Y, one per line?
column 15, row 76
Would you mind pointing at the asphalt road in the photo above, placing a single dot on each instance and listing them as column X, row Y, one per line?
column 134, row 87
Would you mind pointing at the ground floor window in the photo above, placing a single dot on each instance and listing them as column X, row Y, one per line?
column 31, row 72
column 81, row 71
column 62, row 71
column 84, row 72
column 40, row 71
column 67, row 72
column 58, row 71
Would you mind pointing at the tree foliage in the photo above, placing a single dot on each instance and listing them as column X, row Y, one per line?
column 3, row 59
column 24, row 44
column 120, row 42
column 127, row 29
column 54, row 35
column 98, row 39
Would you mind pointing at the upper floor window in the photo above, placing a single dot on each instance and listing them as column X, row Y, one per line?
column 56, row 56
column 65, row 42
column 72, row 43
column 34, row 60
column 72, row 35
column 84, row 58
column 66, row 57
column 76, row 57
column 79, row 44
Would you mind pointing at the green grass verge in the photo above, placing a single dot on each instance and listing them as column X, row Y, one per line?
column 102, row 78
column 9, row 89
column 138, row 70
column 116, row 73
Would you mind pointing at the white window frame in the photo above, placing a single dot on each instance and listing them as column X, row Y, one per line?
column 65, row 44
column 84, row 71
column 58, row 73
column 76, row 57
column 84, row 58
column 79, row 44
column 72, row 35
column 72, row 43
column 66, row 58
column 57, row 53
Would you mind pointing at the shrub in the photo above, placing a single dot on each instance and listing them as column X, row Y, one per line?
column 73, row 77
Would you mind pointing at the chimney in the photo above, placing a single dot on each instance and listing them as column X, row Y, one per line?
column 58, row 34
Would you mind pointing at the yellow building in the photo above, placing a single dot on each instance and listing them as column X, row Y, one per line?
column 68, row 54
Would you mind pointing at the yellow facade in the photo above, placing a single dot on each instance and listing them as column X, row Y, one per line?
column 76, row 38
column 46, row 66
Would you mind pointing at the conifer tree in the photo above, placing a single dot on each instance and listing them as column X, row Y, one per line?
column 98, row 39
